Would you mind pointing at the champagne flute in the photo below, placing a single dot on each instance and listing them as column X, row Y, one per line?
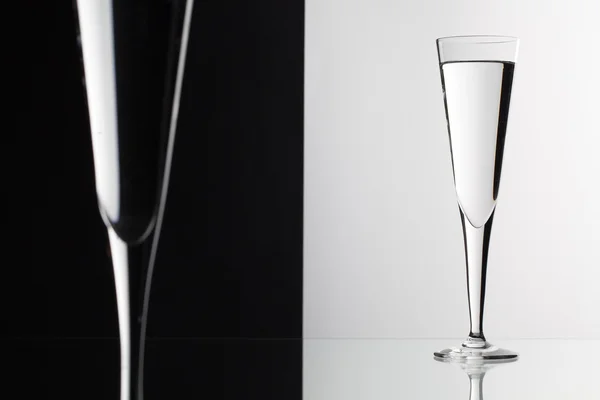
column 133, row 55
column 477, row 75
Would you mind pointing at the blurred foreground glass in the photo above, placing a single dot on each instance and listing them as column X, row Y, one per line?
column 477, row 75
column 133, row 56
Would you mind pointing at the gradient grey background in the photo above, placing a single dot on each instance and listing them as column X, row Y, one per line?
column 383, row 251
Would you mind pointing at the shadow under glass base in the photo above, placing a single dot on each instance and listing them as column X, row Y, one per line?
column 475, row 351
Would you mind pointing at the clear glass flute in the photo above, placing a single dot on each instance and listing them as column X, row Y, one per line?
column 133, row 56
column 477, row 75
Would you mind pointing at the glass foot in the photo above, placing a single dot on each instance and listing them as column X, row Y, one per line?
column 486, row 351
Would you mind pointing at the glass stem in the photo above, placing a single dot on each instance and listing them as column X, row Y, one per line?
column 129, row 267
column 477, row 241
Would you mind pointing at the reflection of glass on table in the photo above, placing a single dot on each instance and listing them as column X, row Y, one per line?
column 476, row 370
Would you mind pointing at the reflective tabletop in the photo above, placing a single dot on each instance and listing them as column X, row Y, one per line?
column 312, row 369
column 399, row 369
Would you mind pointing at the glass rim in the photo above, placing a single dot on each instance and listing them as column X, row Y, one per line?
column 478, row 39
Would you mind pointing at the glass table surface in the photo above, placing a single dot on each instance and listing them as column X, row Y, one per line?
column 310, row 369
column 399, row 369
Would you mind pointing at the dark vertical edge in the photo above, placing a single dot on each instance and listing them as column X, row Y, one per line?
column 303, row 33
column 507, row 79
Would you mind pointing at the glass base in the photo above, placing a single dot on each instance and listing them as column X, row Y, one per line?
column 475, row 351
